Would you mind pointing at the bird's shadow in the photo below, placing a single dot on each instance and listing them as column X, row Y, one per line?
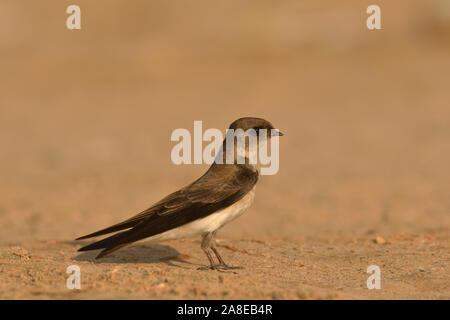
column 144, row 253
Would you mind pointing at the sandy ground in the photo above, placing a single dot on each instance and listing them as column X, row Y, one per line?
column 86, row 118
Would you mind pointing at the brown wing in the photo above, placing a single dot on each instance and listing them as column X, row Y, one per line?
column 217, row 185
column 221, row 186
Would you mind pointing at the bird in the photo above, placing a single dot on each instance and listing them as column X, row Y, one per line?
column 201, row 208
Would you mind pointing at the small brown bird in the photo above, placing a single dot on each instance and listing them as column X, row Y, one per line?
column 221, row 195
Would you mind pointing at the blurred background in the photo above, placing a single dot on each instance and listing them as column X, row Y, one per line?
column 86, row 116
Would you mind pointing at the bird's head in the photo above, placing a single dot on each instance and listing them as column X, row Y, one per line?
column 244, row 139
column 256, row 124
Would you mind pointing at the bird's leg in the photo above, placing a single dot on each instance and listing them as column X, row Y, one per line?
column 206, row 245
column 222, row 263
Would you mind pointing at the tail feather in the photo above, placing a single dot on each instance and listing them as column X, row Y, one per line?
column 114, row 228
column 114, row 242
column 137, row 230
column 105, row 243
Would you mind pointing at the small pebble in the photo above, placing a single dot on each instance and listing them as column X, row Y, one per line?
column 379, row 240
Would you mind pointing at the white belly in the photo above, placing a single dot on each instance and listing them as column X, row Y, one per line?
column 210, row 223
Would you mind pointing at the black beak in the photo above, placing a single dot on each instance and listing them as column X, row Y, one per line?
column 277, row 133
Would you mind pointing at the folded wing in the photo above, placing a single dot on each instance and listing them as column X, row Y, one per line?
column 221, row 186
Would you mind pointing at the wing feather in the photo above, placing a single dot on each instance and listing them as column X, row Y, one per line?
column 219, row 187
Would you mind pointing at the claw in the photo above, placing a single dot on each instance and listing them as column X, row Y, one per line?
column 217, row 268
column 227, row 267
column 208, row 268
column 207, row 239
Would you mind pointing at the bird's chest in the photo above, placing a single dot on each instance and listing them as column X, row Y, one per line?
column 222, row 217
column 210, row 223
column 238, row 208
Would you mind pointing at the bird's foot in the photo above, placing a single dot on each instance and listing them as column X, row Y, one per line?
column 219, row 268
column 224, row 266
column 205, row 268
